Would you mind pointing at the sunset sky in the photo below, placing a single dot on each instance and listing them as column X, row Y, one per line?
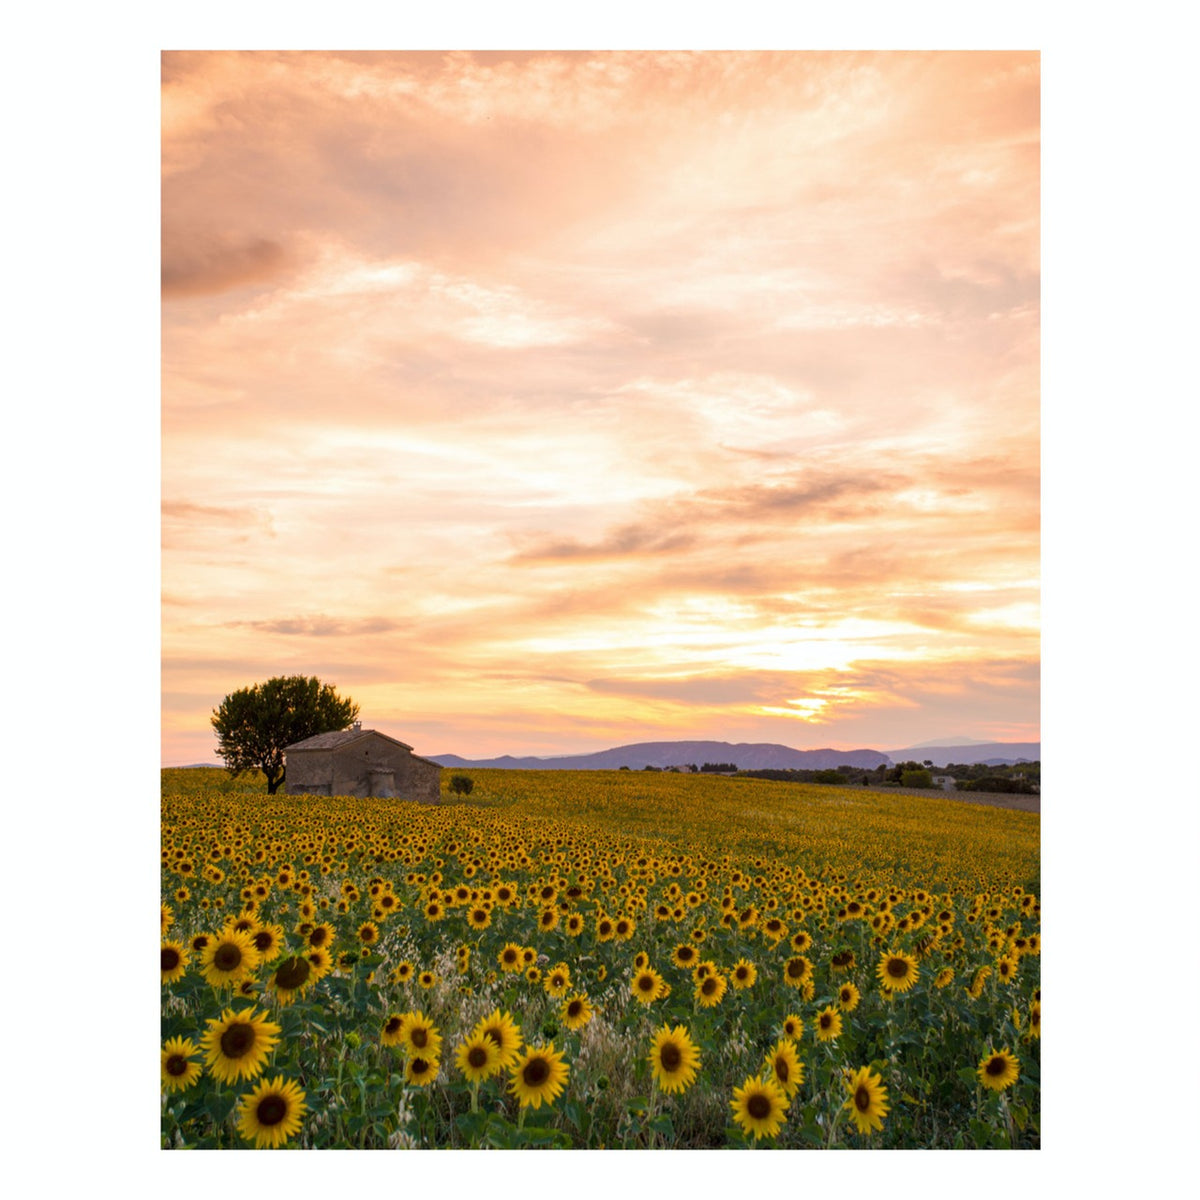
column 547, row 402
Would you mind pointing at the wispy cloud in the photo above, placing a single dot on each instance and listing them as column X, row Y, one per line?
column 547, row 399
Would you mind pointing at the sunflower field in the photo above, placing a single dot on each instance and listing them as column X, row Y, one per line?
column 597, row 960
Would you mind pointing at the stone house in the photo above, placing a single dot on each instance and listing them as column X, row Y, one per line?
column 944, row 781
column 360, row 762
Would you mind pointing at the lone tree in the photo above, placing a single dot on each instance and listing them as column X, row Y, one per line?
column 254, row 724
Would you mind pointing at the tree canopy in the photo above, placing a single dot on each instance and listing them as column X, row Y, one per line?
column 254, row 724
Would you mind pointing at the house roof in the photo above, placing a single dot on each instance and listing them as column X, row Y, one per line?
column 339, row 738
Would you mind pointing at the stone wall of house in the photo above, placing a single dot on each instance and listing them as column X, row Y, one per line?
column 347, row 772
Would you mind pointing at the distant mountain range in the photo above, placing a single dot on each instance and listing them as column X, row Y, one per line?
column 994, row 754
column 752, row 756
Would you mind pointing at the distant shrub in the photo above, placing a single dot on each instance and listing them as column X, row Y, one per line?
column 917, row 779
column 461, row 785
column 828, row 777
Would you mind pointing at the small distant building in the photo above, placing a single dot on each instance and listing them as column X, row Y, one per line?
column 946, row 782
column 360, row 762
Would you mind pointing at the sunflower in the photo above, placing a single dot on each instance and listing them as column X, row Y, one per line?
column 505, row 1032
column 868, row 1099
column 759, row 1107
column 178, row 1069
column 392, row 1033
column 229, row 958
column 828, row 1024
column 427, row 979
column 848, row 997
column 945, row 977
column 797, row 971
column 402, row 973
column 998, row 1069
column 419, row 1036
column 975, row 990
column 1006, row 968
column 321, row 936
column 168, row 916
column 321, row 962
column 710, row 991
column 421, row 1071
column 843, row 960
column 236, row 1046
column 510, row 958
column 647, row 985
column 558, row 981
column 538, row 1076
column 744, row 974
column 575, row 924
column 368, row 933
column 173, row 961
column 576, row 1012
column 897, row 971
column 686, row 955
column 786, row 1069
column 533, row 975
column 674, row 1058
column 271, row 1113
column 1035, row 1020
column 268, row 941
column 479, row 917
column 793, row 1027
column 478, row 1058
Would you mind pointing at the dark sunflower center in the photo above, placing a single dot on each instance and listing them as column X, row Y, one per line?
column 646, row 983
column 510, row 956
column 477, row 1057
column 227, row 957
column 237, row 1040
column 897, row 968
column 795, row 969
column 825, row 1021
column 420, row 1066
column 419, row 1037
column 494, row 1035
column 670, row 1056
column 535, row 1072
column 709, row 985
column 759, row 1106
column 177, row 1065
column 781, row 1070
column 574, row 1009
column 844, row 995
column 995, row 1066
column 170, row 958
column 862, row 1098
column 293, row 973
column 318, row 936
column 271, row 1109
column 393, row 1026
